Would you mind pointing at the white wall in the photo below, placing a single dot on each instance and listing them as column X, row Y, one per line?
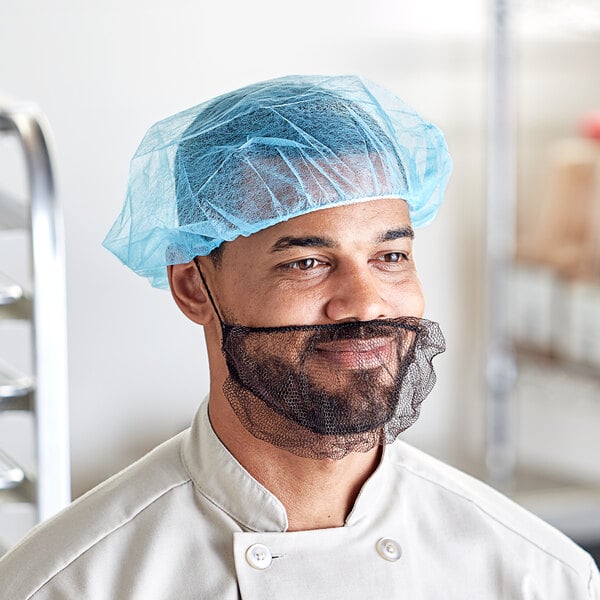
column 104, row 72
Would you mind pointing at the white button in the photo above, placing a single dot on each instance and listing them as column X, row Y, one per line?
column 389, row 549
column 259, row 556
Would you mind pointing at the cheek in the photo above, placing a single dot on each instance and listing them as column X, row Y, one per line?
column 419, row 307
column 268, row 307
column 409, row 300
column 295, row 309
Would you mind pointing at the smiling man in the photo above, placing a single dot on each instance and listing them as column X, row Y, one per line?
column 281, row 217
column 329, row 304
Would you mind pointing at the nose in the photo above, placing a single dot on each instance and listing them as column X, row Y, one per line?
column 356, row 295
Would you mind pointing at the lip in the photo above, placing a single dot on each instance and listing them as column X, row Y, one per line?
column 357, row 353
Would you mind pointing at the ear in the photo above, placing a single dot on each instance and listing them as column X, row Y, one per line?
column 189, row 293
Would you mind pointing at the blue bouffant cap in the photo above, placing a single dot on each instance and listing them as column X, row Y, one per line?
column 269, row 152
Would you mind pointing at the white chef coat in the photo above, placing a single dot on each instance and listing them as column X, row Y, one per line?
column 187, row 521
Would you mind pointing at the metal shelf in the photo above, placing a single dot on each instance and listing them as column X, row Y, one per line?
column 572, row 508
column 20, row 310
column 10, row 291
column 44, row 393
column 24, row 403
column 570, row 505
column 23, row 494
column 16, row 389
column 11, row 474
column 556, row 365
column 14, row 303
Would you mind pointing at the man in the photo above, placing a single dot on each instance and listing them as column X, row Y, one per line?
column 281, row 216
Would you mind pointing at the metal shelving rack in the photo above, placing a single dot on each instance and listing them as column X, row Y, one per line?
column 572, row 506
column 43, row 393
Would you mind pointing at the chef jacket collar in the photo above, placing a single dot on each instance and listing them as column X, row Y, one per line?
column 222, row 479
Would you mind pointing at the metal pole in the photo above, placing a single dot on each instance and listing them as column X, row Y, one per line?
column 500, row 224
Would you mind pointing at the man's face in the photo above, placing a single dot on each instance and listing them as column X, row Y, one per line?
column 346, row 263
column 322, row 318
column 350, row 263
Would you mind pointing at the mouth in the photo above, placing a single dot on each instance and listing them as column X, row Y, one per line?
column 354, row 354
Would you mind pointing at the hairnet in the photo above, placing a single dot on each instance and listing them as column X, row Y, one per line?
column 266, row 153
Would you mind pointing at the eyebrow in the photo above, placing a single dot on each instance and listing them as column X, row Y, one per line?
column 303, row 241
column 394, row 234
column 311, row 241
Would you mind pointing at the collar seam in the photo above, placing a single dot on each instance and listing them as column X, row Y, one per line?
column 201, row 490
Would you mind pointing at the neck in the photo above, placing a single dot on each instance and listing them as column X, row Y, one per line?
column 316, row 494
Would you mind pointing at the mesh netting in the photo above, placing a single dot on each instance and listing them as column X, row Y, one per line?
column 322, row 391
column 266, row 153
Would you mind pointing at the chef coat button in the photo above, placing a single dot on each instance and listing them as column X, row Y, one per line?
column 259, row 556
column 389, row 549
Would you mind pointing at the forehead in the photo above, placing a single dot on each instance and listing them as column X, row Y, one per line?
column 353, row 224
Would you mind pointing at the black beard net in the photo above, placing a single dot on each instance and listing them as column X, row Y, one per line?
column 323, row 391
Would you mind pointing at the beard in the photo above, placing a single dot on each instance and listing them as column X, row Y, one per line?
column 322, row 391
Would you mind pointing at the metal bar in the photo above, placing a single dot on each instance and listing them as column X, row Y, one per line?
column 49, row 314
column 501, row 200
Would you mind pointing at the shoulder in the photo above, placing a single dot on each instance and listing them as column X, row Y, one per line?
column 55, row 544
column 474, row 502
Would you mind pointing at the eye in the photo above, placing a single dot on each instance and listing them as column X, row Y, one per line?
column 394, row 257
column 304, row 264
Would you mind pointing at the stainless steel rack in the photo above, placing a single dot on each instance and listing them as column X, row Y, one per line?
column 42, row 302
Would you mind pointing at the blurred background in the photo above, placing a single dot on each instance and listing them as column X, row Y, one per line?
column 102, row 73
